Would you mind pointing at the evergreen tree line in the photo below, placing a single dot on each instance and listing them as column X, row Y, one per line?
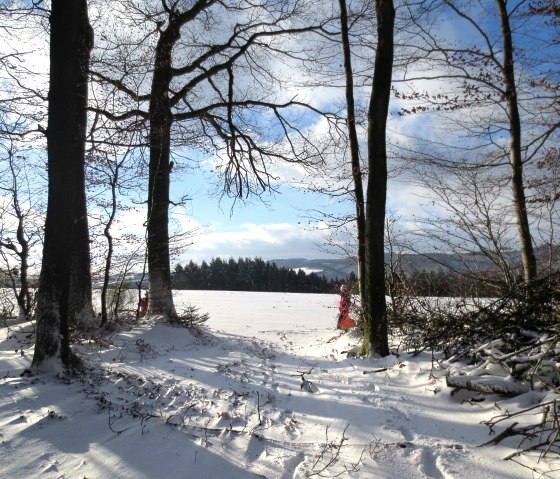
column 248, row 274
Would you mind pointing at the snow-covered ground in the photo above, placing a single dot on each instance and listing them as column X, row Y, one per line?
column 268, row 389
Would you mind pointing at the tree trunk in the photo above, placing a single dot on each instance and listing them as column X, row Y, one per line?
column 375, row 325
column 64, row 295
column 113, row 182
column 161, row 297
column 23, row 296
column 354, row 151
column 516, row 160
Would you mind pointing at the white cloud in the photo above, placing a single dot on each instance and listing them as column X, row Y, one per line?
column 268, row 241
column 130, row 222
column 407, row 199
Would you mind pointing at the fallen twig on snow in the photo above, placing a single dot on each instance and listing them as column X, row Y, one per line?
column 487, row 384
column 373, row 371
column 305, row 383
column 542, row 436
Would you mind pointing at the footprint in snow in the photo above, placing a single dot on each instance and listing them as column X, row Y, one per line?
column 291, row 465
column 406, row 434
column 429, row 465
column 18, row 419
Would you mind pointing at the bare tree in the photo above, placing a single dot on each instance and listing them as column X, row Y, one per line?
column 369, row 218
column 375, row 321
column 515, row 153
column 109, row 168
column 64, row 295
column 358, row 191
column 209, row 84
column 19, row 229
column 491, row 92
column 22, row 109
column 469, row 214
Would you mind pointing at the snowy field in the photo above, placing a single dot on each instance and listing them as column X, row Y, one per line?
column 267, row 389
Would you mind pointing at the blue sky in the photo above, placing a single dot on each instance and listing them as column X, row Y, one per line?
column 275, row 226
column 280, row 227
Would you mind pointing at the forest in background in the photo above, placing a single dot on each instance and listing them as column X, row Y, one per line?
column 248, row 274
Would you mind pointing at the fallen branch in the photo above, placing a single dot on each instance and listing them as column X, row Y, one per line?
column 539, row 435
column 508, row 432
column 487, row 385
column 305, row 383
column 373, row 371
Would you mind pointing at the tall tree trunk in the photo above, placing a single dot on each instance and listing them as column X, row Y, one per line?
column 354, row 150
column 375, row 326
column 516, row 159
column 64, row 295
column 161, row 297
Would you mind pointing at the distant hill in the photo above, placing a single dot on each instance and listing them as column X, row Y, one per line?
column 331, row 269
column 342, row 267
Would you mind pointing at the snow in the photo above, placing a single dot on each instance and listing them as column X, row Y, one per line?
column 266, row 389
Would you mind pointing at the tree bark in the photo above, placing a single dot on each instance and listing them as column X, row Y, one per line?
column 516, row 160
column 375, row 325
column 64, row 295
column 160, row 115
column 354, row 150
